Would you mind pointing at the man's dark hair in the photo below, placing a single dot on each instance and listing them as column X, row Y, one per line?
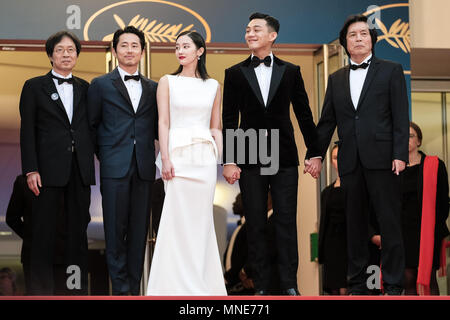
column 129, row 29
column 56, row 38
column 350, row 20
column 272, row 23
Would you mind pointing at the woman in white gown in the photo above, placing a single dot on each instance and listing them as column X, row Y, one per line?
column 186, row 260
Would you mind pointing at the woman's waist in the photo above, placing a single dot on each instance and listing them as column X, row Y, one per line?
column 190, row 132
column 182, row 136
column 189, row 129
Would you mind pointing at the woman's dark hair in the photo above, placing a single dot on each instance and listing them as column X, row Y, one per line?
column 199, row 43
column 272, row 22
column 417, row 130
column 129, row 29
column 351, row 20
column 56, row 38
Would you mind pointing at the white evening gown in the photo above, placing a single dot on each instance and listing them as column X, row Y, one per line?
column 186, row 260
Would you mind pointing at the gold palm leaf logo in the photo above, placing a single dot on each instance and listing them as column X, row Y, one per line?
column 154, row 31
column 398, row 35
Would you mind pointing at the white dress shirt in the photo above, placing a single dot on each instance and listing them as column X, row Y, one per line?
column 134, row 87
column 65, row 92
column 264, row 75
column 357, row 78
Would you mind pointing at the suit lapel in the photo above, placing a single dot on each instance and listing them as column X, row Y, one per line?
column 346, row 82
column 277, row 74
column 373, row 68
column 250, row 75
column 76, row 98
column 145, row 93
column 120, row 86
column 52, row 92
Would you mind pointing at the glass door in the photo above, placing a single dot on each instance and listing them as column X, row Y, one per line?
column 327, row 60
column 430, row 112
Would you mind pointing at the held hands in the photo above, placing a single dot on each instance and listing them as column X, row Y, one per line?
column 168, row 171
column 313, row 167
column 33, row 181
column 398, row 166
column 231, row 173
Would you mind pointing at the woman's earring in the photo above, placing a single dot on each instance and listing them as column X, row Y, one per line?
column 198, row 58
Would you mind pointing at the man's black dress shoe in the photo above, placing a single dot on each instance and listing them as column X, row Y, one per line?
column 290, row 292
column 261, row 293
column 393, row 290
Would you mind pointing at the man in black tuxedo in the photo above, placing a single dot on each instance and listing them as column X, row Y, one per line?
column 261, row 89
column 123, row 115
column 58, row 160
column 367, row 101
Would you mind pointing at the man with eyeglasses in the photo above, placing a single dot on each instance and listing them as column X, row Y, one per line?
column 58, row 161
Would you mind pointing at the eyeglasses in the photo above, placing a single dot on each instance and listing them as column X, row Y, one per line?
column 60, row 50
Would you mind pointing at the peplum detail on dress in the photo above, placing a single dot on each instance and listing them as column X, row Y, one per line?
column 184, row 137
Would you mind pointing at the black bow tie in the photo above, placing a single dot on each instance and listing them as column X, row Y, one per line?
column 257, row 61
column 136, row 77
column 62, row 80
column 362, row 65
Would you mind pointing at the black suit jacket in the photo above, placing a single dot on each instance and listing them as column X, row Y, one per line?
column 18, row 214
column 18, row 218
column 239, row 254
column 46, row 134
column 116, row 127
column 378, row 130
column 242, row 95
column 324, row 219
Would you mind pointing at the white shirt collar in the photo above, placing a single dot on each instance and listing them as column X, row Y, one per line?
column 365, row 60
column 271, row 57
column 61, row 76
column 123, row 73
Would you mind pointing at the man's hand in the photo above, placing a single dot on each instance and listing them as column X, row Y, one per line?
column 313, row 167
column 231, row 173
column 33, row 181
column 247, row 282
column 376, row 240
column 398, row 166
